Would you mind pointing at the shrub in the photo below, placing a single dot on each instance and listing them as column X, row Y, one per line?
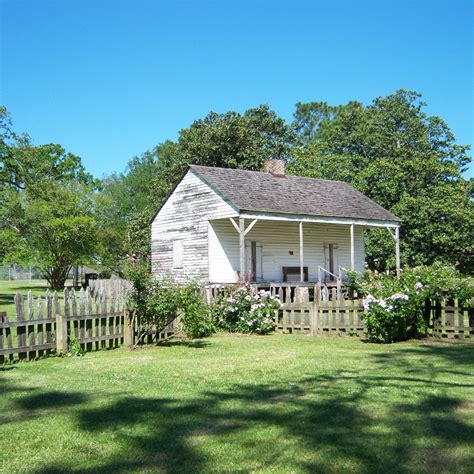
column 74, row 348
column 196, row 315
column 155, row 303
column 158, row 302
column 396, row 317
column 395, row 308
column 246, row 312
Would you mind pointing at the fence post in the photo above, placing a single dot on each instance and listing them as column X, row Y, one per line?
column 3, row 319
column 61, row 334
column 128, row 331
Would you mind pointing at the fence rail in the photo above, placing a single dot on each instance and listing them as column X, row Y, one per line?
column 44, row 324
column 101, row 321
column 321, row 317
column 319, row 309
column 451, row 321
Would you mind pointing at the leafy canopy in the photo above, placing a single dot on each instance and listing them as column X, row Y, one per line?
column 229, row 140
column 406, row 161
column 47, row 206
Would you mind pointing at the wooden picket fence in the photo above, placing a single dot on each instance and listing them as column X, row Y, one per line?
column 110, row 287
column 451, row 321
column 322, row 317
column 287, row 292
column 342, row 317
column 32, row 334
column 319, row 310
column 46, row 324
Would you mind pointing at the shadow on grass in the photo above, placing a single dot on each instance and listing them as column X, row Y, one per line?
column 314, row 424
column 193, row 344
column 6, row 368
column 51, row 400
column 402, row 419
column 424, row 358
column 6, row 299
column 32, row 403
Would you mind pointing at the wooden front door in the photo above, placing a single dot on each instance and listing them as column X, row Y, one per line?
column 253, row 260
column 330, row 261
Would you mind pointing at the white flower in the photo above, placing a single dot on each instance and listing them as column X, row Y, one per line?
column 368, row 301
column 248, row 298
column 399, row 296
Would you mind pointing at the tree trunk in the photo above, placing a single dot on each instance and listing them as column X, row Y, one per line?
column 57, row 276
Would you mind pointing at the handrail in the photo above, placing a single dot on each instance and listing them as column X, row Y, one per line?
column 338, row 277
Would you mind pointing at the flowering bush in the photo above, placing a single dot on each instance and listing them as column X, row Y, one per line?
column 394, row 317
column 396, row 309
column 247, row 312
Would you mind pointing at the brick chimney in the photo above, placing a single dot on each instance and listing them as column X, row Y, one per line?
column 275, row 167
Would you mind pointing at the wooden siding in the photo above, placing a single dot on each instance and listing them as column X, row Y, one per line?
column 278, row 239
column 184, row 217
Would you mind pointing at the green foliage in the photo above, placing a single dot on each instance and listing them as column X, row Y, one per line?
column 195, row 313
column 245, row 311
column 156, row 303
column 54, row 231
column 74, row 348
column 229, row 140
column 46, row 206
column 232, row 140
column 395, row 317
column 405, row 160
column 396, row 309
column 119, row 207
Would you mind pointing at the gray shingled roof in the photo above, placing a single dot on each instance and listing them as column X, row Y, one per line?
column 262, row 192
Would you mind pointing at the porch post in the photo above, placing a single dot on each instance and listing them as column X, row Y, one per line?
column 352, row 248
column 397, row 249
column 242, row 247
column 301, row 253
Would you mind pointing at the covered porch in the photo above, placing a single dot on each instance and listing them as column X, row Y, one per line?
column 289, row 249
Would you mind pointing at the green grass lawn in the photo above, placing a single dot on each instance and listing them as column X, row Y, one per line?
column 276, row 403
column 8, row 290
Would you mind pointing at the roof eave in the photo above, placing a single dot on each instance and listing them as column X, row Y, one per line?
column 282, row 216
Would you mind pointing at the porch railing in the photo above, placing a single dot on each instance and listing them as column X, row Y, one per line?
column 288, row 292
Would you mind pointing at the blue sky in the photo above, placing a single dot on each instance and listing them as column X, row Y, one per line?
column 111, row 79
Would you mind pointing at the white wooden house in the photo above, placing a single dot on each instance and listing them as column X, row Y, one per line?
column 220, row 225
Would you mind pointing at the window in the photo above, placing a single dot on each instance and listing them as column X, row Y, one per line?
column 178, row 254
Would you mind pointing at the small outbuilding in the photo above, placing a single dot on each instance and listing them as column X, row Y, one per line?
column 224, row 225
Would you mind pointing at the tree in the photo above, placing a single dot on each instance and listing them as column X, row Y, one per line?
column 124, row 203
column 232, row 140
column 57, row 231
column 47, row 206
column 229, row 140
column 405, row 160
